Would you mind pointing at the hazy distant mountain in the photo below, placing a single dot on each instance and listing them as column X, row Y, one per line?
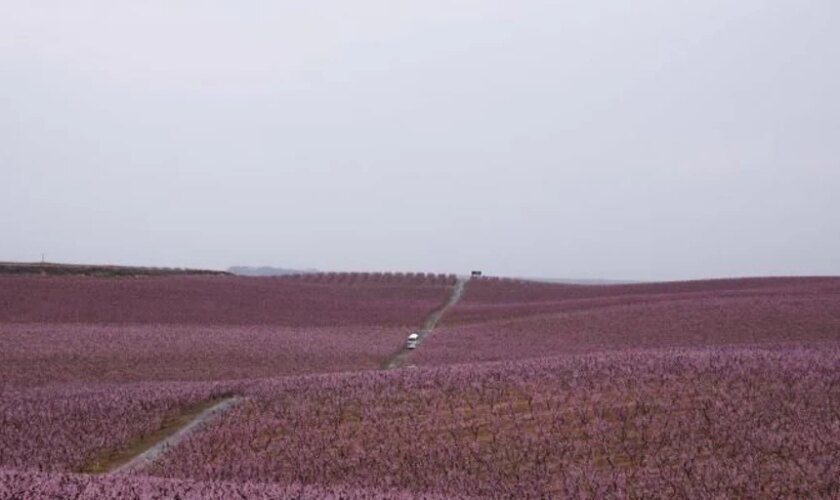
column 267, row 271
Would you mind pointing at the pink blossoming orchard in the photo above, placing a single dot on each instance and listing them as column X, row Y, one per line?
column 708, row 389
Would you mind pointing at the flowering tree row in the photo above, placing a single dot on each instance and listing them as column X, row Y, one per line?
column 33, row 485
column 491, row 299
column 72, row 426
column 375, row 278
column 37, row 354
column 218, row 300
column 679, row 322
column 660, row 424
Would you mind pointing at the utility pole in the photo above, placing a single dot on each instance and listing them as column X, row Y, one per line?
column 43, row 258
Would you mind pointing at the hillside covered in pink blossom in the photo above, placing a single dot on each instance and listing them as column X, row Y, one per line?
column 709, row 389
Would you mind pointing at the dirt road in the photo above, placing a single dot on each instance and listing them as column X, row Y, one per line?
column 429, row 324
column 147, row 452
column 151, row 454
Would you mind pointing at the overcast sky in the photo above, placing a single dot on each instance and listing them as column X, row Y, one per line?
column 642, row 140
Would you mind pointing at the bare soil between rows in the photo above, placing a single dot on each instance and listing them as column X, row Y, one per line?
column 114, row 459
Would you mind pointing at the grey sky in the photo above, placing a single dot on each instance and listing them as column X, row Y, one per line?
column 645, row 139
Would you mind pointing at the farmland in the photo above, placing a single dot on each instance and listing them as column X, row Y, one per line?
column 505, row 320
column 298, row 301
column 38, row 354
column 674, row 423
column 725, row 388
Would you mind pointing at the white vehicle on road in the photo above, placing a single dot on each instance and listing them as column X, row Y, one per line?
column 413, row 339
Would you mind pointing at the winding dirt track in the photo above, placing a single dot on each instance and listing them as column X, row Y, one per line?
column 429, row 324
column 151, row 454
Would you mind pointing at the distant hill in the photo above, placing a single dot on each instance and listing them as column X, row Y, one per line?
column 267, row 271
column 582, row 281
column 54, row 269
